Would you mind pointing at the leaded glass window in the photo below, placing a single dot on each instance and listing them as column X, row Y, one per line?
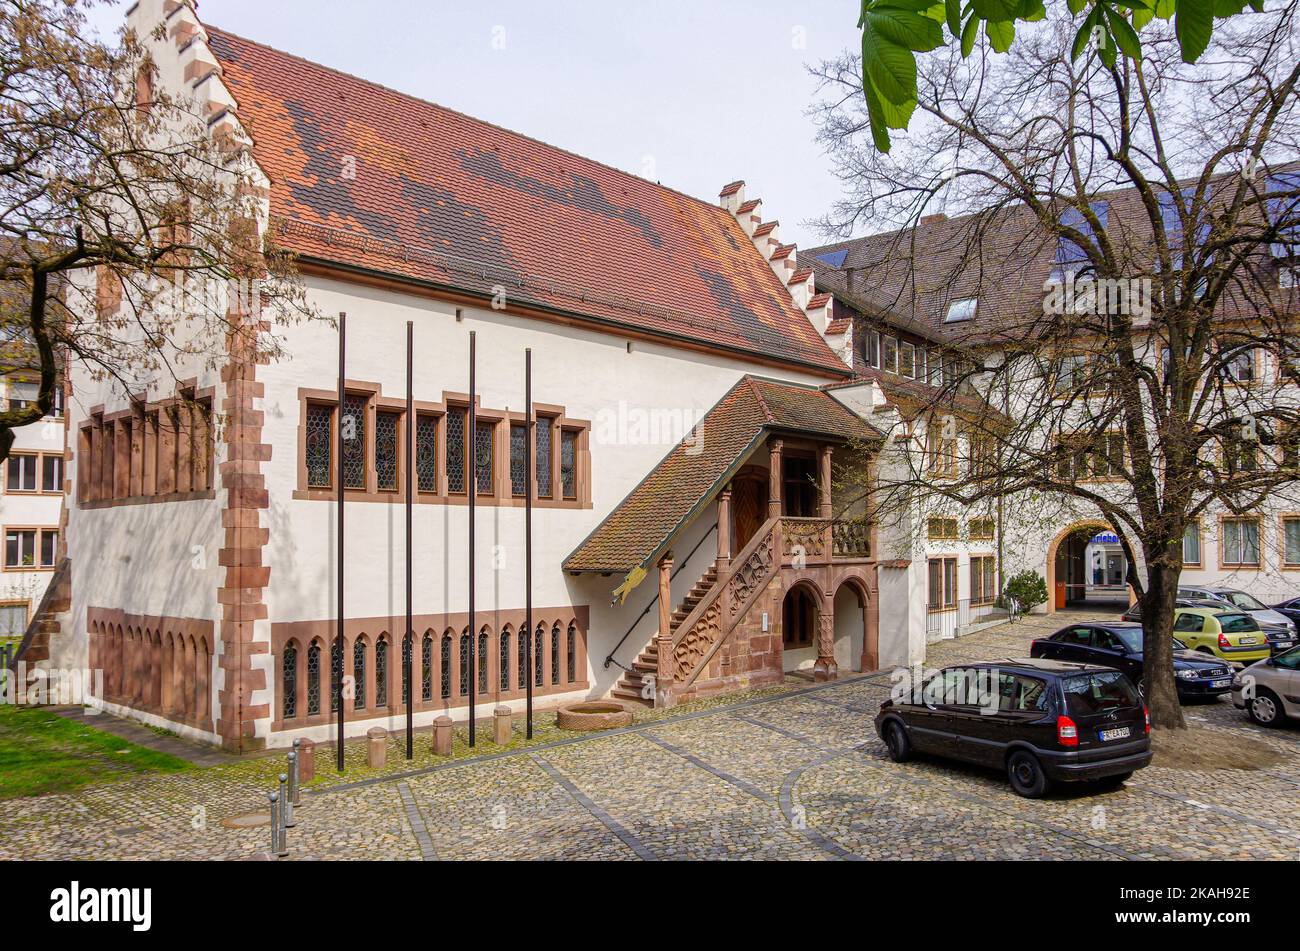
column 538, row 645
column 354, row 442
column 426, row 668
column 319, row 445
column 504, row 660
column 482, row 661
column 406, row 670
column 555, row 654
column 359, row 675
column 543, row 457
column 569, row 463
column 445, row 685
column 386, row 451
column 336, row 674
column 456, row 451
column 523, row 658
column 518, row 459
column 313, row 679
column 290, row 681
column 381, row 672
column 572, row 653
column 464, row 665
column 426, row 453
column 484, row 440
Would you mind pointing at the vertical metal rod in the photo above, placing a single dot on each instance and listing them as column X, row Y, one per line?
column 530, row 438
column 472, row 488
column 293, row 786
column 408, row 654
column 338, row 466
column 286, row 802
column 295, row 772
column 275, row 823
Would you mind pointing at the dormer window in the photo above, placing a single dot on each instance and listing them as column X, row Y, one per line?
column 959, row 310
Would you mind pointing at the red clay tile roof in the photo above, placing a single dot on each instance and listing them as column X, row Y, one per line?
column 642, row 526
column 441, row 198
column 839, row 325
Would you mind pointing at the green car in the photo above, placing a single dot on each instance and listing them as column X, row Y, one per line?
column 1233, row 636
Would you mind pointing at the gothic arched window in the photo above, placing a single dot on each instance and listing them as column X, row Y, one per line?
column 313, row 678
column 290, row 680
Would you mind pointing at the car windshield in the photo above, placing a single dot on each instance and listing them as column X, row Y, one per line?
column 1244, row 601
column 1237, row 623
column 1089, row 694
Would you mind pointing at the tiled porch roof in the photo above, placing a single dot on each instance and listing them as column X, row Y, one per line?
column 643, row 524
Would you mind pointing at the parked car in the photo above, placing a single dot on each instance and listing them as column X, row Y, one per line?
column 1290, row 609
column 1233, row 636
column 1118, row 644
column 1280, row 630
column 1052, row 722
column 1135, row 612
column 1269, row 691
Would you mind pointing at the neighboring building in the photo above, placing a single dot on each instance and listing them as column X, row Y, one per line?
column 913, row 302
column 31, row 506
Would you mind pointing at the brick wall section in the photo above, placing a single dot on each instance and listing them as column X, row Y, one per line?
column 241, row 595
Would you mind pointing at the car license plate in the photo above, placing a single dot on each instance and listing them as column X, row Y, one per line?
column 1118, row 733
column 1249, row 640
column 1281, row 644
column 1215, row 684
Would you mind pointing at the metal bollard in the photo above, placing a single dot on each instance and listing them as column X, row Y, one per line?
column 288, row 794
column 295, row 794
column 295, row 773
column 286, row 807
column 275, row 823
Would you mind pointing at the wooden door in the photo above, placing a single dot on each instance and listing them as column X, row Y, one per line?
column 748, row 506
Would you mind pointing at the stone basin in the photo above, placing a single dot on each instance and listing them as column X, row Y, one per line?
column 593, row 715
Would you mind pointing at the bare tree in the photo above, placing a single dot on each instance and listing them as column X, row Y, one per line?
column 123, row 221
column 1127, row 230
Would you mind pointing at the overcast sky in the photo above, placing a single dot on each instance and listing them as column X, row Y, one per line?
column 691, row 94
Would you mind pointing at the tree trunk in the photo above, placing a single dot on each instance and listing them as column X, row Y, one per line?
column 1158, row 646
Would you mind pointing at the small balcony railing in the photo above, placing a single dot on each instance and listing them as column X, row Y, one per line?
column 815, row 541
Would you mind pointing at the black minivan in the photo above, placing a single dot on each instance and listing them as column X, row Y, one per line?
column 1043, row 721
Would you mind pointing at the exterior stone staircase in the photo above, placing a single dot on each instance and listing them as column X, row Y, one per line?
column 630, row 685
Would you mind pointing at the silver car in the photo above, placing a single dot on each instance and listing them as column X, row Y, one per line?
column 1279, row 629
column 1269, row 691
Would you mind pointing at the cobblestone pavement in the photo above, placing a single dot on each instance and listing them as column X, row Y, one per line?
column 796, row 772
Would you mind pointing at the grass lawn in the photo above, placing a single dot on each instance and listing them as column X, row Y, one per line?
column 41, row 752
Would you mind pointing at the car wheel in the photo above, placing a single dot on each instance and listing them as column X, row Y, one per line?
column 1264, row 708
column 1027, row 776
column 900, row 747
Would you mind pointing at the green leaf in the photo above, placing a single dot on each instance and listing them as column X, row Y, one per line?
column 968, row 34
column 879, row 133
column 1228, row 8
column 891, row 67
column 1165, row 8
column 906, row 29
column 1031, row 11
column 952, row 13
column 1076, row 6
column 1124, row 35
column 996, row 10
column 1000, row 34
column 1081, row 38
column 1193, row 23
column 1142, row 17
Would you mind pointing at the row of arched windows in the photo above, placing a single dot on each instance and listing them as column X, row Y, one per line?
column 440, row 669
column 160, row 671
